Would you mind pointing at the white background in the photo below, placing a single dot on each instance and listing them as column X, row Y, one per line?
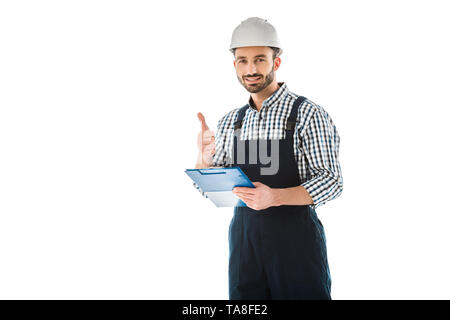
column 98, row 103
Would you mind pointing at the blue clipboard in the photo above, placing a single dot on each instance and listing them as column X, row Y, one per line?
column 218, row 183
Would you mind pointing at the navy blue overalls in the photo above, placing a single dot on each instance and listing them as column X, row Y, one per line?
column 278, row 252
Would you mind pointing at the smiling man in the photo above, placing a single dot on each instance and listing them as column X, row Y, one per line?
column 277, row 243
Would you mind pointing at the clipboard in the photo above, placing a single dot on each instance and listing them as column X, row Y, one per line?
column 218, row 183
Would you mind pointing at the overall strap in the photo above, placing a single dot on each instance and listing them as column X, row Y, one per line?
column 292, row 120
column 238, row 122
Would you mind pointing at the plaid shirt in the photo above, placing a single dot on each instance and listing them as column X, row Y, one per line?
column 316, row 140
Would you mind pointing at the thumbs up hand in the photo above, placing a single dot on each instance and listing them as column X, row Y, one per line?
column 205, row 143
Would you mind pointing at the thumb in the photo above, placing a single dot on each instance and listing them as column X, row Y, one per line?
column 202, row 121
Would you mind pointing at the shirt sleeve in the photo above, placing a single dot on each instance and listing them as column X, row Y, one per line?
column 320, row 143
column 220, row 156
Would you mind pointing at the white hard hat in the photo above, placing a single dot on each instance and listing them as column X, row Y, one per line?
column 255, row 32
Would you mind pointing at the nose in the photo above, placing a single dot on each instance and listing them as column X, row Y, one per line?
column 251, row 68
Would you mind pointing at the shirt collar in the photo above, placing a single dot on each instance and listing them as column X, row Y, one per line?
column 274, row 98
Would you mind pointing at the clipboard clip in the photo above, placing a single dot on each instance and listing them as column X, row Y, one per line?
column 214, row 170
column 209, row 171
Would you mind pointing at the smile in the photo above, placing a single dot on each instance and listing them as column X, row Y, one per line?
column 252, row 79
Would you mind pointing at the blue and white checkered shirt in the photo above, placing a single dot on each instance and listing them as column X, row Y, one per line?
column 316, row 142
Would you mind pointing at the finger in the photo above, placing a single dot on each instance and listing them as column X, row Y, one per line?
column 245, row 190
column 208, row 137
column 247, row 200
column 209, row 148
column 202, row 121
column 257, row 183
column 246, row 193
column 251, row 205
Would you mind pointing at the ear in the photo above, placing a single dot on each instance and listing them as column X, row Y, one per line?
column 276, row 63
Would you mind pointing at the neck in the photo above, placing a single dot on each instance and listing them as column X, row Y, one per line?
column 259, row 97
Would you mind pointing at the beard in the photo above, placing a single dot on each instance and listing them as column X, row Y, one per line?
column 259, row 86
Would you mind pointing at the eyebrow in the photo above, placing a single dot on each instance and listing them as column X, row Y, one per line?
column 258, row 56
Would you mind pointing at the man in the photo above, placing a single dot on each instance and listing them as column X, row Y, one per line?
column 277, row 242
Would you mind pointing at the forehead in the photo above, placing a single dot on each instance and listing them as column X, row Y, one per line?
column 252, row 52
